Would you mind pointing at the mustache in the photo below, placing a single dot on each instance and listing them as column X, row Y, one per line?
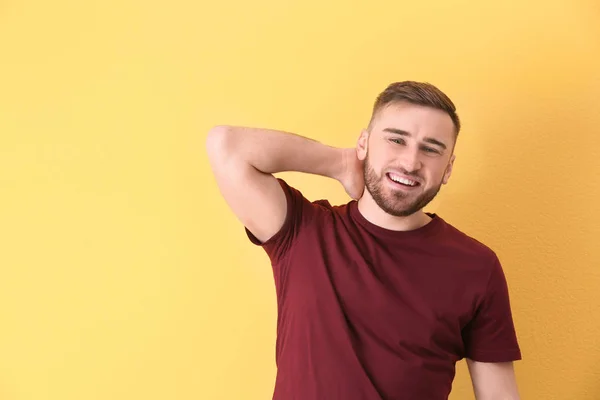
column 410, row 174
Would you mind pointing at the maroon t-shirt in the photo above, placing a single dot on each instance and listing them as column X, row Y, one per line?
column 367, row 313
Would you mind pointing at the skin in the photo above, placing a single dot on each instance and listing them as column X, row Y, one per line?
column 409, row 141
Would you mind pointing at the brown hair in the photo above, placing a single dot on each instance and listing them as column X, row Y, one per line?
column 420, row 93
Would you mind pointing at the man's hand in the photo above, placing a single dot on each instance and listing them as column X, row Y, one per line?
column 352, row 175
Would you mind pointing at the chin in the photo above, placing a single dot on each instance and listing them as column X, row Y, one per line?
column 398, row 209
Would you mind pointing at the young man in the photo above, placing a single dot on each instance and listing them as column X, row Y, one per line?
column 376, row 298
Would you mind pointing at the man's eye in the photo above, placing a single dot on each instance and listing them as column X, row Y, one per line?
column 397, row 141
column 430, row 150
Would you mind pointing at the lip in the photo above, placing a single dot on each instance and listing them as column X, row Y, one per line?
column 401, row 175
column 400, row 186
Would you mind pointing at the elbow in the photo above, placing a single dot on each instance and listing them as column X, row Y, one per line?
column 217, row 135
column 217, row 141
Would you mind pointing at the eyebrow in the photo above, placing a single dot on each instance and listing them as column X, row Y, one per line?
column 405, row 133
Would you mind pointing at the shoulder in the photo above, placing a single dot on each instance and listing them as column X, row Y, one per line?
column 317, row 202
column 480, row 263
column 466, row 245
column 313, row 209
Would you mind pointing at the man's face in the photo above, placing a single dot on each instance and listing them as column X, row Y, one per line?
column 407, row 156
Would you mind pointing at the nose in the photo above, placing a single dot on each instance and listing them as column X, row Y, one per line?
column 410, row 161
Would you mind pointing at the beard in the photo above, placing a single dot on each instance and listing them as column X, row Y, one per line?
column 396, row 203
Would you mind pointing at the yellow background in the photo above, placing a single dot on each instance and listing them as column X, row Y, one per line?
column 124, row 276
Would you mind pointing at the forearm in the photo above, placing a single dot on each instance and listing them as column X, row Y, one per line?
column 272, row 151
column 493, row 381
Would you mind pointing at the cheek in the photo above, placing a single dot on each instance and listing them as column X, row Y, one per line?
column 378, row 165
column 373, row 159
column 435, row 172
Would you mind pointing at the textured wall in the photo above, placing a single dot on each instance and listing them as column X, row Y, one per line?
column 124, row 276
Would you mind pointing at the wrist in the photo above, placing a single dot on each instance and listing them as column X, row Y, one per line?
column 340, row 163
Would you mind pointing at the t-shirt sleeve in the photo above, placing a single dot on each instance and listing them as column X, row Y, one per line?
column 299, row 212
column 490, row 336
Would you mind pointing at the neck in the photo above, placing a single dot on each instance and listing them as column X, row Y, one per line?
column 375, row 215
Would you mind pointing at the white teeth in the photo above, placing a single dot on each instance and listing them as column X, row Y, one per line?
column 402, row 180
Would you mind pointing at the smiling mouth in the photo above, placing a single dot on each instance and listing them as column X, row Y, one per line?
column 402, row 181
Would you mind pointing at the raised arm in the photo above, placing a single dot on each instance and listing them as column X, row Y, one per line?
column 244, row 159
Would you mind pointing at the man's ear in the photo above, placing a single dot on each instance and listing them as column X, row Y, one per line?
column 448, row 171
column 362, row 144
